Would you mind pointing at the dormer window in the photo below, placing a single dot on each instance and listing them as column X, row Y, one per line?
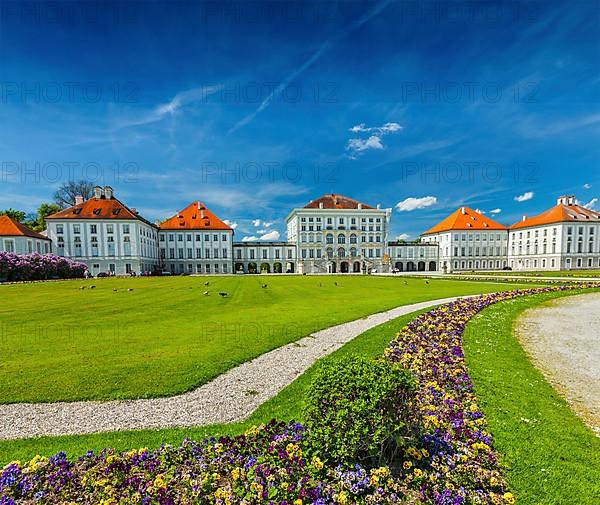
column 96, row 212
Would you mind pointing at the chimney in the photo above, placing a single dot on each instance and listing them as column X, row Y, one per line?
column 378, row 206
column 571, row 200
column 78, row 200
column 524, row 218
column 134, row 210
column 463, row 211
column 108, row 192
column 359, row 206
column 320, row 205
column 97, row 192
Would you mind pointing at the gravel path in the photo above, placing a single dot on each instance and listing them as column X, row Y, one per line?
column 230, row 397
column 563, row 340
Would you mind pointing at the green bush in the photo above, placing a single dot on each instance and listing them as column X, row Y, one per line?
column 359, row 410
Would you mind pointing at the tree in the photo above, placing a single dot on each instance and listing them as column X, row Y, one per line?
column 44, row 210
column 66, row 193
column 17, row 215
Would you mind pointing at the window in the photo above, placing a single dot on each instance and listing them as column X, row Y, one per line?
column 9, row 245
column 93, row 228
column 59, row 228
column 125, row 228
column 109, row 228
column 76, row 228
column 162, row 238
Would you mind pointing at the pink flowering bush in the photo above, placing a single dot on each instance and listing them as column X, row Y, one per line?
column 449, row 459
column 34, row 266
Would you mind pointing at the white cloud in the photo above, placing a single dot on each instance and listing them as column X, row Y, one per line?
column 528, row 195
column 256, row 222
column 231, row 224
column 495, row 211
column 403, row 236
column 167, row 109
column 272, row 235
column 357, row 146
column 249, row 239
column 416, row 203
column 385, row 129
column 267, row 225
column 479, row 211
column 591, row 204
column 587, row 186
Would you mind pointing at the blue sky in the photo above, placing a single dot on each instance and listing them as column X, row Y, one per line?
column 258, row 108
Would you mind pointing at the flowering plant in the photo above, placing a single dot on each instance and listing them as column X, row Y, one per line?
column 34, row 266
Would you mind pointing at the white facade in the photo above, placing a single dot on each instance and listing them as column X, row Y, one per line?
column 466, row 250
column 413, row 257
column 196, row 251
column 24, row 245
column 264, row 257
column 339, row 240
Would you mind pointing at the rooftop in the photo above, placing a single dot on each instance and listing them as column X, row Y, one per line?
column 194, row 217
column 465, row 218
column 11, row 228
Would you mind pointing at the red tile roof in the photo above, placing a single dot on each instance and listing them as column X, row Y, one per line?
column 11, row 228
column 98, row 208
column 333, row 201
column 465, row 218
column 559, row 214
column 194, row 217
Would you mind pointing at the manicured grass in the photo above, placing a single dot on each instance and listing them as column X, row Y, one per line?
column 551, row 456
column 287, row 405
column 63, row 343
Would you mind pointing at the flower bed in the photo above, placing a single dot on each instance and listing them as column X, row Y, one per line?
column 34, row 266
column 451, row 461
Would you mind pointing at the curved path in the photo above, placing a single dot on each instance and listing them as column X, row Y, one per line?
column 563, row 340
column 230, row 397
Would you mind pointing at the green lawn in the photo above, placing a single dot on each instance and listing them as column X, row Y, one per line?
column 60, row 342
column 552, row 458
column 287, row 405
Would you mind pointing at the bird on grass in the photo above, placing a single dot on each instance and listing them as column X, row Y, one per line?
column 92, row 287
column 405, row 283
column 335, row 283
column 206, row 293
column 222, row 293
column 82, row 287
column 426, row 282
column 206, row 283
column 114, row 290
column 130, row 289
column 264, row 286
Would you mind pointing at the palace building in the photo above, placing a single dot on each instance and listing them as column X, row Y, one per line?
column 332, row 234
column 195, row 241
column 565, row 237
column 105, row 234
column 468, row 240
column 19, row 239
column 338, row 234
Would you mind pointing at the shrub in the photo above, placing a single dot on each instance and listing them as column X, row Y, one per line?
column 359, row 410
